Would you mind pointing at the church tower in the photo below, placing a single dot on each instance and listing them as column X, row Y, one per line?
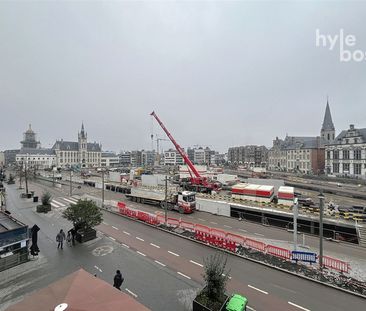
column 83, row 147
column 328, row 131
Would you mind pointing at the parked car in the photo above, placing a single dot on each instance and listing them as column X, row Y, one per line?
column 305, row 201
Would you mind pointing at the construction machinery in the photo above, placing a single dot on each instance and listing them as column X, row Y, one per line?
column 196, row 182
column 183, row 201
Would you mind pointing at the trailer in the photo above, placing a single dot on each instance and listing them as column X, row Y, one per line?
column 183, row 201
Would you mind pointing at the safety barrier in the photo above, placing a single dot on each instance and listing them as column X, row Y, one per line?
column 231, row 241
column 278, row 252
column 336, row 264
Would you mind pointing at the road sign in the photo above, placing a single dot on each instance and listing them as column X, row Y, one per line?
column 303, row 256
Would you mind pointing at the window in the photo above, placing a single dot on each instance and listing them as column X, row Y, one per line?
column 357, row 154
column 345, row 167
column 357, row 169
column 335, row 167
column 346, row 154
column 336, row 154
column 328, row 154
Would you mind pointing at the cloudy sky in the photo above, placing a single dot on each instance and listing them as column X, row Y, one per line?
column 217, row 73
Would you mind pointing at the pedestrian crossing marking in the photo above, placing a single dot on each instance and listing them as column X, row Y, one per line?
column 59, row 203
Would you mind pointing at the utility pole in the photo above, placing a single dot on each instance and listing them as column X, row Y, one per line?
column 321, row 207
column 296, row 211
column 20, row 175
column 166, row 200
column 53, row 177
column 25, row 176
column 102, row 188
column 70, row 182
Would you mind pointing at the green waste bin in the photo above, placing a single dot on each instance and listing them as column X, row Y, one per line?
column 237, row 303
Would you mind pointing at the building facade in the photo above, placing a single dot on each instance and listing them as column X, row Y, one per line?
column 172, row 157
column 109, row 159
column 2, row 159
column 346, row 154
column 36, row 158
column 80, row 153
column 249, row 156
column 304, row 154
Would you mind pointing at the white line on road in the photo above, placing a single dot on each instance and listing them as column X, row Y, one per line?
column 201, row 219
column 113, row 239
column 132, row 293
column 160, row 263
column 297, row 306
column 67, row 200
column 250, row 308
column 259, row 290
column 186, row 276
column 99, row 269
column 126, row 233
column 259, row 234
column 125, row 245
column 196, row 263
column 242, row 230
column 142, row 254
column 227, row 226
column 115, row 227
column 55, row 205
column 212, row 222
column 152, row 244
column 173, row 253
column 104, row 223
column 59, row 203
column 140, row 239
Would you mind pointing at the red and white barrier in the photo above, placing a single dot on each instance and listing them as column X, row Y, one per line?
column 278, row 252
column 336, row 264
column 260, row 246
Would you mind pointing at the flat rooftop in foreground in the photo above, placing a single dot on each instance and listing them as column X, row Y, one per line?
column 8, row 223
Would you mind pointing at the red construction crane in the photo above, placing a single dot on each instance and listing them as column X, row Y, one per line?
column 197, row 181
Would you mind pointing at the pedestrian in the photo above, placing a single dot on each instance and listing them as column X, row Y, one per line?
column 60, row 237
column 72, row 233
column 118, row 280
column 68, row 238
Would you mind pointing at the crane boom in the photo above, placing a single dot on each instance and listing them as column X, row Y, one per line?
column 176, row 145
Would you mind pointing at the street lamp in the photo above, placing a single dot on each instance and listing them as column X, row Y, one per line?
column 296, row 211
column 321, row 207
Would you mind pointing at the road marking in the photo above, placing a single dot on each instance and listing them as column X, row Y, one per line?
column 73, row 199
column 67, row 200
column 242, row 230
column 142, row 254
column 173, row 253
column 115, row 227
column 96, row 267
column 227, row 226
column 104, row 223
column 126, row 233
column 297, row 306
column 259, row 234
column 250, row 308
column 152, row 244
column 125, row 245
column 201, row 219
column 229, row 277
column 259, row 290
column 113, row 239
column 186, row 276
column 54, row 204
column 140, row 239
column 159, row 263
column 57, row 202
column 196, row 263
column 212, row 222
column 132, row 293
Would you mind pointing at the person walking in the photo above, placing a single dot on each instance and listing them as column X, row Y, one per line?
column 118, row 280
column 60, row 237
column 72, row 233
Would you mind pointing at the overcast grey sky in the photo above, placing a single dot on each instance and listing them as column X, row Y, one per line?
column 217, row 73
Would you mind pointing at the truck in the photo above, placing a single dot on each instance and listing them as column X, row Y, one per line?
column 182, row 201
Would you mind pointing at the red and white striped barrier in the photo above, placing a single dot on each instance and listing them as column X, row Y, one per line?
column 278, row 252
column 336, row 264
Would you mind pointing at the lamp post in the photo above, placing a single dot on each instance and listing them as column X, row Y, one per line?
column 296, row 211
column 25, row 175
column 70, row 181
column 102, row 187
column 166, row 200
column 321, row 207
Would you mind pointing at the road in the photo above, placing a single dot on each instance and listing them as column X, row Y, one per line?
column 266, row 288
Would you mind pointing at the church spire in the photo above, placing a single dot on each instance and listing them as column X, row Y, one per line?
column 328, row 122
